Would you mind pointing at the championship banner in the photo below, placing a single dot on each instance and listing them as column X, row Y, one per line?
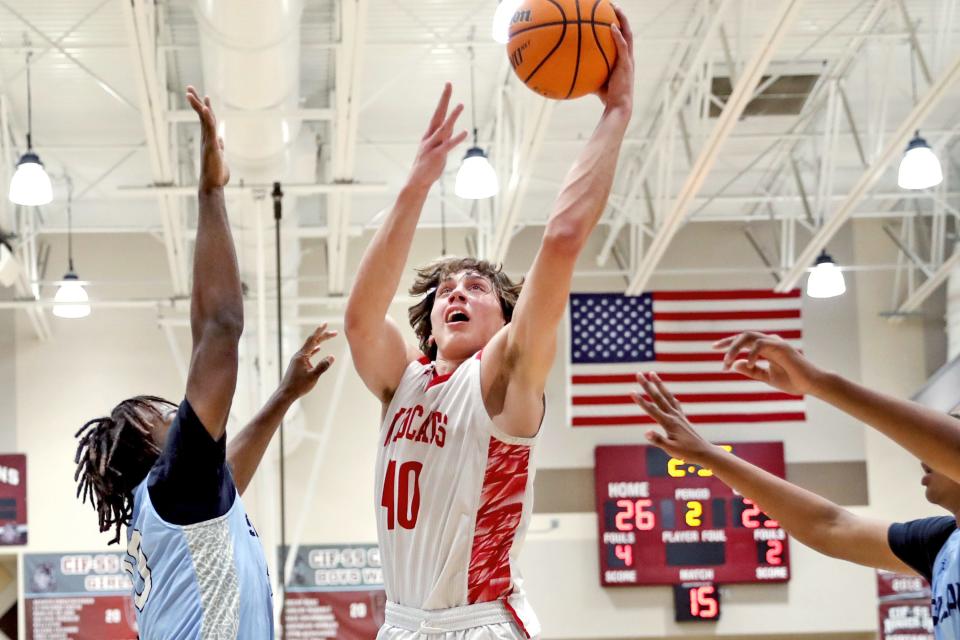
column 13, row 499
column 78, row 596
column 335, row 591
column 904, row 607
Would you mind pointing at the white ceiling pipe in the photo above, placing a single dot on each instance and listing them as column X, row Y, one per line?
column 251, row 68
column 251, row 64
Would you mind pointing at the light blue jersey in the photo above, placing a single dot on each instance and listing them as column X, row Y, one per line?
column 205, row 577
column 945, row 590
column 931, row 547
column 204, row 580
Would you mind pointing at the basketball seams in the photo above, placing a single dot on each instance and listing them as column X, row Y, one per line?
column 596, row 38
column 576, row 67
column 563, row 34
column 557, row 23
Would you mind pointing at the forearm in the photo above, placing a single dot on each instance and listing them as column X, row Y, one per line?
column 587, row 185
column 803, row 514
column 382, row 265
column 930, row 435
column 246, row 449
column 217, row 297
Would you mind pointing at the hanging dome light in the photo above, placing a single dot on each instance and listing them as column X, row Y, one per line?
column 476, row 178
column 71, row 300
column 920, row 168
column 502, row 18
column 826, row 279
column 30, row 185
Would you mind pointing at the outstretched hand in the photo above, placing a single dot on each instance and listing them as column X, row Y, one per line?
column 618, row 90
column 679, row 438
column 786, row 368
column 214, row 172
column 302, row 375
column 437, row 142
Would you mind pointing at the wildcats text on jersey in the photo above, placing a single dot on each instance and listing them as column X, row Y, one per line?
column 431, row 430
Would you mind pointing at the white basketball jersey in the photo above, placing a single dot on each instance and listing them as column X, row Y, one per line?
column 454, row 496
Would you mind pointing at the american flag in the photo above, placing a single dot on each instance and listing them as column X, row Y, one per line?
column 671, row 332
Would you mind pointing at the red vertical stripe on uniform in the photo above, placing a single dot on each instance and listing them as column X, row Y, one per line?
column 498, row 517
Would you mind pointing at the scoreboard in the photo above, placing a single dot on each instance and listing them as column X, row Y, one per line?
column 663, row 521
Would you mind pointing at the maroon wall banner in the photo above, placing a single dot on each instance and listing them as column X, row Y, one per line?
column 77, row 596
column 904, row 607
column 13, row 499
column 335, row 592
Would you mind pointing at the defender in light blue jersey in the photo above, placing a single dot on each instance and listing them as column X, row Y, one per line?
column 928, row 547
column 166, row 472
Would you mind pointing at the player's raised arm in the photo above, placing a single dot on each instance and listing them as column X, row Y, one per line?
column 246, row 449
column 930, row 435
column 216, row 303
column 530, row 339
column 378, row 349
column 811, row 519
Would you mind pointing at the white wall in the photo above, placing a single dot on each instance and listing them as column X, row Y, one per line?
column 90, row 364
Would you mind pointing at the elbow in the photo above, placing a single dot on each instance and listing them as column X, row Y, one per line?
column 565, row 238
column 227, row 325
column 352, row 324
column 357, row 325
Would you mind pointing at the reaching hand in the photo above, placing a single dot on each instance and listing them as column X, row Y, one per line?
column 437, row 142
column 787, row 370
column 679, row 439
column 214, row 172
column 618, row 91
column 301, row 376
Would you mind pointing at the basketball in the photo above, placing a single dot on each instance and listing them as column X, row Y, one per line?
column 563, row 49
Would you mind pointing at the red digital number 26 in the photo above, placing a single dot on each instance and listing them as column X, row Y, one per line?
column 401, row 494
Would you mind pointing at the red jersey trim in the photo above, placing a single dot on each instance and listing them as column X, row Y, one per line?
column 498, row 518
column 516, row 618
column 438, row 379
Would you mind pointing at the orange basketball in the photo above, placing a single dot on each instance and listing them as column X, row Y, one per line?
column 563, row 49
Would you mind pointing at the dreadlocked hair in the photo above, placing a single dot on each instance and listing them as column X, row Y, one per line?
column 429, row 278
column 114, row 455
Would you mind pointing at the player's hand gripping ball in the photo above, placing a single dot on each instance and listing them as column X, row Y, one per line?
column 563, row 49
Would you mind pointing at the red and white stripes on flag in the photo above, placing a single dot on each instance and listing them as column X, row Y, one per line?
column 672, row 332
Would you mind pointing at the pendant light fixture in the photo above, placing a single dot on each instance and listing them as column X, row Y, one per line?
column 30, row 185
column 919, row 168
column 476, row 178
column 826, row 279
column 502, row 19
column 71, row 300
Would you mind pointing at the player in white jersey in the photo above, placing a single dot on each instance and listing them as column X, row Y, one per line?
column 929, row 547
column 461, row 413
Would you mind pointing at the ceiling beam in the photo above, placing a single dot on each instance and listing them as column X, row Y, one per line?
column 532, row 134
column 672, row 101
column 349, row 68
column 304, row 115
column 739, row 98
column 293, row 189
column 892, row 150
column 101, row 82
column 24, row 256
column 152, row 96
column 921, row 293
